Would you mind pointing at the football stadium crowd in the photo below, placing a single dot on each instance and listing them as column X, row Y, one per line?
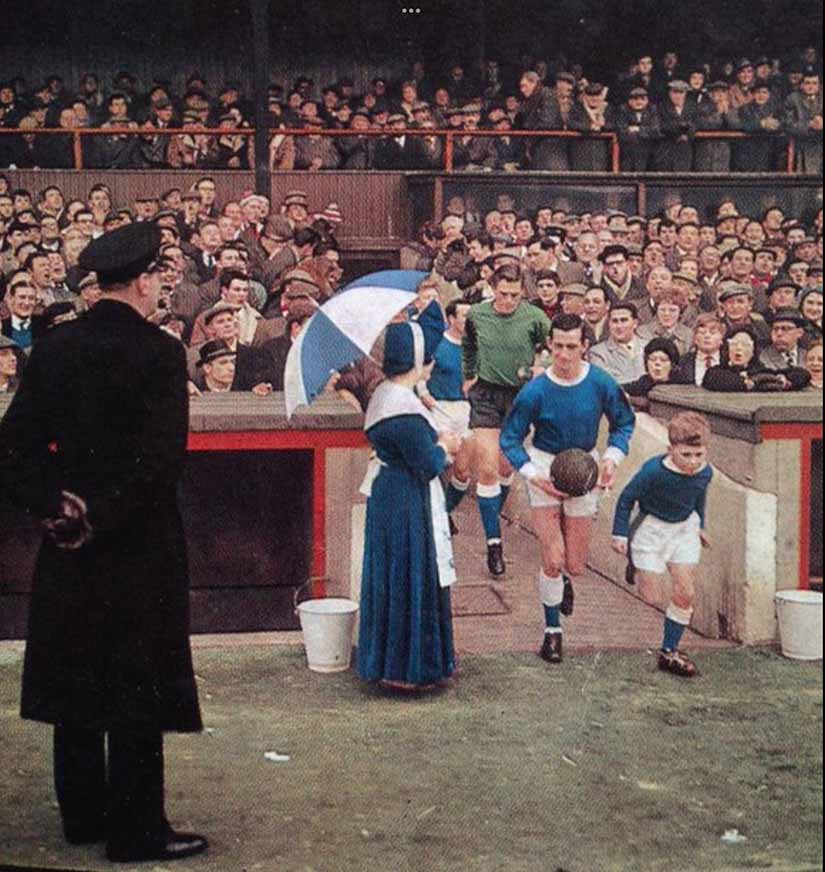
column 671, row 297
column 656, row 107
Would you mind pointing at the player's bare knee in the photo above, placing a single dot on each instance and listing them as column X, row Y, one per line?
column 576, row 567
column 683, row 599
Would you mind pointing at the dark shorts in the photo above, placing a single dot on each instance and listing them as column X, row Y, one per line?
column 490, row 405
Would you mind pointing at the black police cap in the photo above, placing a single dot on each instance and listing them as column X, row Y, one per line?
column 121, row 255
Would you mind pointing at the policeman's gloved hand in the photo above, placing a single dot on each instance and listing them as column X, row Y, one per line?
column 70, row 529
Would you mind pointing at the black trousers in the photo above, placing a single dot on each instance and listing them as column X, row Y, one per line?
column 119, row 799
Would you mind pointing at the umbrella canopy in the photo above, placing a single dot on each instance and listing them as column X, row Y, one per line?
column 344, row 330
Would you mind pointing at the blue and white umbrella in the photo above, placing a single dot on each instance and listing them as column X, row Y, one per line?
column 344, row 330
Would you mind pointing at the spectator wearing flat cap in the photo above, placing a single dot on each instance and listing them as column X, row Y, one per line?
column 593, row 114
column 674, row 153
column 716, row 113
column 191, row 150
column 222, row 324
column 736, row 303
column 399, row 150
column 762, row 119
column 803, row 120
column 787, row 334
column 744, row 78
column 637, row 122
column 108, row 653
column 356, row 150
column 474, row 153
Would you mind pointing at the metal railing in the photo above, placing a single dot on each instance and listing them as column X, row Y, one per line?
column 448, row 136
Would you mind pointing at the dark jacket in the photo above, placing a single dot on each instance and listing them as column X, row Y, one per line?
column 729, row 379
column 590, row 155
column 638, row 132
column 102, row 411
column 542, row 111
column 674, row 153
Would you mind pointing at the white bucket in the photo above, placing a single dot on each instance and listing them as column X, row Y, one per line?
column 328, row 625
column 800, row 623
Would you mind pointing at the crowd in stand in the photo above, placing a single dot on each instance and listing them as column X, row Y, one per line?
column 655, row 108
column 724, row 300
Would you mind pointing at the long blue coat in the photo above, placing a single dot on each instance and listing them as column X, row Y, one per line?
column 406, row 624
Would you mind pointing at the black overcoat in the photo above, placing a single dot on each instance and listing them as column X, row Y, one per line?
column 102, row 411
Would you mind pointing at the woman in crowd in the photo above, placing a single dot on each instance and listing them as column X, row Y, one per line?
column 810, row 304
column 661, row 359
column 813, row 363
column 406, row 636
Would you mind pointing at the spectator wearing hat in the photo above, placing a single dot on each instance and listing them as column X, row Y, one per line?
column 637, row 122
column 716, row 113
column 762, row 119
column 781, row 294
column 678, row 119
column 356, row 150
column 787, row 332
column 222, row 324
column 296, row 250
column 666, row 324
column 89, row 292
column 745, row 76
column 113, row 527
column 12, row 359
column 399, row 150
column 736, row 304
column 593, row 114
column 706, row 350
column 191, row 150
column 803, row 120
column 234, row 151
column 742, row 372
column 541, row 110
column 155, row 145
column 474, row 153
column 661, row 357
column 295, row 207
column 217, row 364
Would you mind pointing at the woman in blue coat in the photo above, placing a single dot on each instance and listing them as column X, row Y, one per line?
column 406, row 637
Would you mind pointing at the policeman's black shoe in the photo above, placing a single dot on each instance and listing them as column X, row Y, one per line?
column 551, row 648
column 568, row 598
column 453, row 526
column 84, row 835
column 495, row 560
column 171, row 846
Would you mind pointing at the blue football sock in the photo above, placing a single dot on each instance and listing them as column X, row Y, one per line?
column 673, row 635
column 505, row 484
column 454, row 496
column 489, row 502
column 552, row 617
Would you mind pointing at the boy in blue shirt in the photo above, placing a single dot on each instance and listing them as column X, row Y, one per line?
column 670, row 490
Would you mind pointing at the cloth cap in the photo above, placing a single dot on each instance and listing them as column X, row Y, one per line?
column 719, row 86
column 296, row 198
column 679, row 85
column 121, row 255
column 212, row 350
column 786, row 314
column 397, row 116
column 743, row 64
column 278, row 228
column 218, row 309
column 299, row 309
column 638, row 92
column 735, row 290
column 593, row 89
column 684, row 277
column 6, row 342
column 782, row 282
column 574, row 290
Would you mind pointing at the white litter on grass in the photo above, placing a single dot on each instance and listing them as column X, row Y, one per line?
column 568, row 761
column 427, row 812
column 275, row 757
column 733, row 837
